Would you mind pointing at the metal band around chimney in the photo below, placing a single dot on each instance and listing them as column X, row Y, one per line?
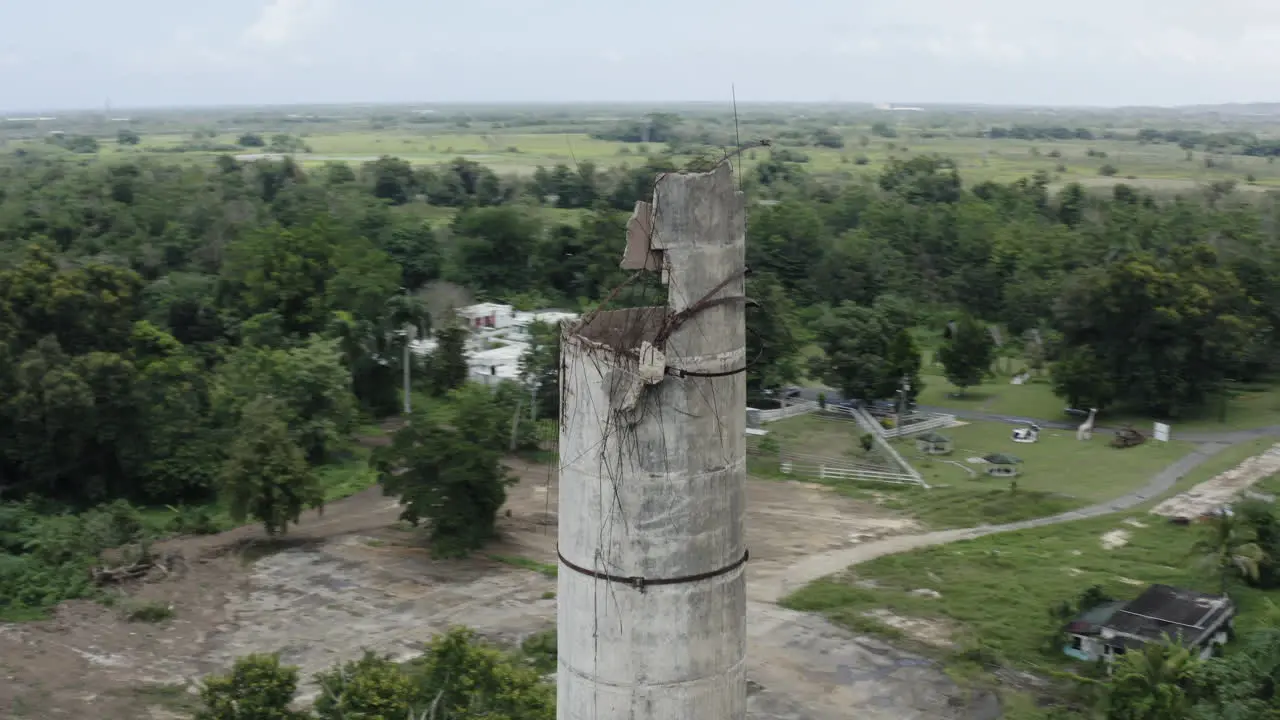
column 640, row 583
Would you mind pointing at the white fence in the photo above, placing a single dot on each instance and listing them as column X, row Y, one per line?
column 873, row 426
column 833, row 469
column 802, row 407
column 912, row 424
column 931, row 422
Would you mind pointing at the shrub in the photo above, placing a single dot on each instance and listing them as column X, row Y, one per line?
column 151, row 612
column 540, row 650
column 45, row 559
column 371, row 687
column 192, row 521
column 257, row 688
column 464, row 675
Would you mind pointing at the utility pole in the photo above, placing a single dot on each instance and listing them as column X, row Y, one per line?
column 409, row 332
column 652, row 585
column 904, row 387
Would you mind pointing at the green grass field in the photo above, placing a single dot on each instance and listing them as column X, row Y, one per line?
column 996, row 591
column 1059, row 473
column 1250, row 406
column 1159, row 166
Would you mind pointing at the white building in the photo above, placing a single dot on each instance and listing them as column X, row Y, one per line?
column 496, row 364
column 499, row 338
column 488, row 315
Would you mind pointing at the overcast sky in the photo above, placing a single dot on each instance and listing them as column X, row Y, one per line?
column 78, row 53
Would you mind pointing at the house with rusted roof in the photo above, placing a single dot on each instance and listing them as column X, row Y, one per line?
column 1162, row 613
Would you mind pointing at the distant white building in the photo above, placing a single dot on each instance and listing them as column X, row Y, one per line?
column 488, row 315
column 496, row 364
column 499, row 338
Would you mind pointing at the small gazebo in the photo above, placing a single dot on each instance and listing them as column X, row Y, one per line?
column 932, row 443
column 1002, row 465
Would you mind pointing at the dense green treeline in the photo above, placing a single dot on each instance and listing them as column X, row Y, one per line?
column 159, row 319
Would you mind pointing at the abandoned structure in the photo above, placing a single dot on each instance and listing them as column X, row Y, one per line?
column 1199, row 621
column 652, row 592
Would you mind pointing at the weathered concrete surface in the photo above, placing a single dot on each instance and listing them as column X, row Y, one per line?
column 810, row 669
column 653, row 476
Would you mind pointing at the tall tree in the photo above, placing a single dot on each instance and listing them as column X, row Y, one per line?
column 447, row 368
column 1082, row 380
column 540, row 369
column 966, row 352
column 787, row 241
column 495, row 246
column 856, row 346
column 446, row 467
column 266, row 476
column 774, row 335
column 310, row 382
column 1169, row 330
column 902, row 364
column 416, row 249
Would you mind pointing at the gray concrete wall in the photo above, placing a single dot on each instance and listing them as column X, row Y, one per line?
column 653, row 484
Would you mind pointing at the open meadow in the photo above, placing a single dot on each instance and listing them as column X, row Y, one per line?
column 1058, row 473
column 861, row 140
column 1248, row 405
column 984, row 604
column 1161, row 168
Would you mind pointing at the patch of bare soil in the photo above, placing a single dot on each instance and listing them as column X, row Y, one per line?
column 352, row 579
column 930, row 632
column 1113, row 539
column 1220, row 490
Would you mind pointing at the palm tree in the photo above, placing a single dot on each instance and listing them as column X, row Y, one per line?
column 1150, row 683
column 1228, row 550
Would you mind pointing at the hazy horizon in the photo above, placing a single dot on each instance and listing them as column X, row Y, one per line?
column 67, row 55
column 725, row 102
